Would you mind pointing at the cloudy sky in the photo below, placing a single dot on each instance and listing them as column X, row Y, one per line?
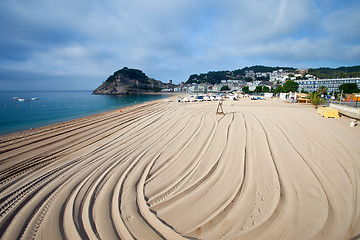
column 77, row 44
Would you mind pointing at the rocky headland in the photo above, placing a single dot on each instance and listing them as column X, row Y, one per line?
column 130, row 81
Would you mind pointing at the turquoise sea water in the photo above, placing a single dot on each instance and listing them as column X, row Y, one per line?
column 57, row 106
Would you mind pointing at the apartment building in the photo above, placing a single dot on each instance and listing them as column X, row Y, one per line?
column 312, row 85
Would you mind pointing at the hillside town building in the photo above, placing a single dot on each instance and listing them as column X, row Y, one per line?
column 274, row 78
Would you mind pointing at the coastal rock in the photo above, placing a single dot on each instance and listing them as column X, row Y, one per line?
column 130, row 81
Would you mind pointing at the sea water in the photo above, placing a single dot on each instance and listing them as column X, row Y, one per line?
column 57, row 106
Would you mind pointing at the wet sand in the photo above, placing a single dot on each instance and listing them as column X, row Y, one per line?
column 168, row 170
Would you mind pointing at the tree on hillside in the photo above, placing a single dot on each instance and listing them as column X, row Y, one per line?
column 216, row 77
column 225, row 88
column 245, row 89
column 279, row 89
column 262, row 78
column 260, row 68
column 341, row 72
column 266, row 89
column 290, row 86
column 258, row 89
column 129, row 73
column 349, row 88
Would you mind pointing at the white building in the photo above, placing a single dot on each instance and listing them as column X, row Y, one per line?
column 217, row 88
column 201, row 88
column 312, row 85
column 279, row 76
column 192, row 88
column 252, row 85
column 268, row 95
column 249, row 74
column 178, row 89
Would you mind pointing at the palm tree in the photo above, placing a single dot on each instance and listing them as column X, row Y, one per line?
column 315, row 99
column 322, row 90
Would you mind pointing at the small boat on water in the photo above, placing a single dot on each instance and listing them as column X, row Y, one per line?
column 21, row 99
column 34, row 98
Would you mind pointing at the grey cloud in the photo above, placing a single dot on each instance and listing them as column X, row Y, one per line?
column 343, row 24
column 172, row 39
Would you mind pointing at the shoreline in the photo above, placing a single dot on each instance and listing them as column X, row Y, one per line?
column 51, row 127
column 6, row 135
column 264, row 170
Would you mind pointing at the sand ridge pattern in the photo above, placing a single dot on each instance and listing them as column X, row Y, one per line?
column 168, row 170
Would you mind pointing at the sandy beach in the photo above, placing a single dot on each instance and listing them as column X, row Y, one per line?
column 169, row 170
